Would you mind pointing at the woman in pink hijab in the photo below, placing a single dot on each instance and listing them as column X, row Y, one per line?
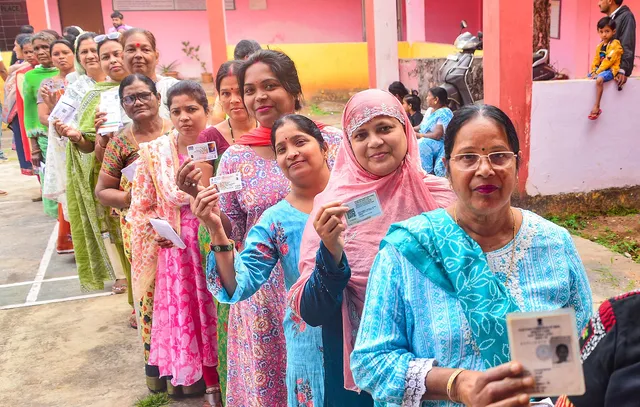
column 380, row 156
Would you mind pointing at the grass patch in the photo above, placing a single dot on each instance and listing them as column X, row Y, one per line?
column 631, row 286
column 154, row 400
column 315, row 110
column 577, row 223
column 607, row 277
column 574, row 223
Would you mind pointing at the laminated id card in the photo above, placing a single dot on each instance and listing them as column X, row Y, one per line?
column 228, row 182
column 362, row 209
column 203, row 151
column 546, row 344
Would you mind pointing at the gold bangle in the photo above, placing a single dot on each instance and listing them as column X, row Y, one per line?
column 452, row 380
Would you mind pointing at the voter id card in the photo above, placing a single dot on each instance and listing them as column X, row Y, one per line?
column 203, row 151
column 228, row 182
column 546, row 344
column 362, row 209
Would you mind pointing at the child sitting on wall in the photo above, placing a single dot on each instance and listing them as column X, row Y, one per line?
column 412, row 105
column 606, row 62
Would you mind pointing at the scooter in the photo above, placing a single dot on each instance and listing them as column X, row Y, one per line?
column 455, row 70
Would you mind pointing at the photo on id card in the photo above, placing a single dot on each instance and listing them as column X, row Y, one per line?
column 546, row 344
column 203, row 151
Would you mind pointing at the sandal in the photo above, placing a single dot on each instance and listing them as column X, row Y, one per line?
column 118, row 287
column 594, row 116
column 213, row 397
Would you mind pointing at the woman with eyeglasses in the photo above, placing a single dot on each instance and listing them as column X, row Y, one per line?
column 141, row 102
column 440, row 288
column 141, row 56
column 96, row 236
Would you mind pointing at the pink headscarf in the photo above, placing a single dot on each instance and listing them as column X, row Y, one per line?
column 406, row 192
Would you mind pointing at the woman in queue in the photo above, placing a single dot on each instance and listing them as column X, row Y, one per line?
column 431, row 132
column 224, row 134
column 88, row 70
column 51, row 89
column 301, row 153
column 238, row 121
column 442, row 275
column 36, row 131
column 141, row 103
column 270, row 88
column 91, row 229
column 12, row 110
column 379, row 155
column 169, row 281
column 141, row 56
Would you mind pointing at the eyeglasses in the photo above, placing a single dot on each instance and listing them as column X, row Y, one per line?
column 131, row 99
column 470, row 162
column 103, row 37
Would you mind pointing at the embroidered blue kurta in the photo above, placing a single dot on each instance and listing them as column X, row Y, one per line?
column 410, row 323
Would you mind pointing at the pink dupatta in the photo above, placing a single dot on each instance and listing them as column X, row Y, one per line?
column 154, row 195
column 406, row 192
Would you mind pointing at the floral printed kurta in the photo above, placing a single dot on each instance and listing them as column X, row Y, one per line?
column 276, row 238
column 256, row 349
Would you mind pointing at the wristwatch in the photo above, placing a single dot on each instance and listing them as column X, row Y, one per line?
column 226, row 248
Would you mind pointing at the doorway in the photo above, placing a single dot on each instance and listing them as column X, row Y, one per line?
column 86, row 14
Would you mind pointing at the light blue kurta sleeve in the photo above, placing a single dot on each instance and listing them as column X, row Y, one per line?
column 382, row 361
column 253, row 266
column 580, row 297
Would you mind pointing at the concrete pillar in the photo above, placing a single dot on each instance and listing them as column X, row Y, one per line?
column 38, row 11
column 382, row 42
column 416, row 31
column 217, row 33
column 508, row 49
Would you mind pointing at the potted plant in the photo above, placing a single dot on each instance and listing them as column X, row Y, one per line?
column 193, row 53
column 169, row 69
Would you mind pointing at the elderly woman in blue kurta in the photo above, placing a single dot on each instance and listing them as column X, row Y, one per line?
column 443, row 282
column 301, row 153
column 432, row 130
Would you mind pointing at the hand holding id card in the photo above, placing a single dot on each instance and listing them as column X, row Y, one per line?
column 362, row 209
column 227, row 182
column 164, row 229
column 202, row 151
column 110, row 104
column 546, row 343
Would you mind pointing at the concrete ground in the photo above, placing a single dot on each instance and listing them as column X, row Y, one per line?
column 57, row 350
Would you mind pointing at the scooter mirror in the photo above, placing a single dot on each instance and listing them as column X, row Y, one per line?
column 463, row 24
column 480, row 35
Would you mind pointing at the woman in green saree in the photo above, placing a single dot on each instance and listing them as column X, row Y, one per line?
column 96, row 235
column 36, row 131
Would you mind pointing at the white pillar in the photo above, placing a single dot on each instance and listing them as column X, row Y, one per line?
column 382, row 39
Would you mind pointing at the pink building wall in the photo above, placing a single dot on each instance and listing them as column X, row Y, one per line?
column 442, row 18
column 54, row 15
column 571, row 154
column 573, row 51
column 284, row 21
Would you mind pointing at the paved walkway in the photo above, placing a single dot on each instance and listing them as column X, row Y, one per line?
column 57, row 350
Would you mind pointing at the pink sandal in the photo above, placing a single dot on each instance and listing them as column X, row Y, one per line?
column 593, row 116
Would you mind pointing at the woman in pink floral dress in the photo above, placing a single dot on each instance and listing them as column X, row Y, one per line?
column 256, row 348
column 184, row 344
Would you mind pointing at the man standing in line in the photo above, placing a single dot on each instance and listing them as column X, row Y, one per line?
column 625, row 33
column 117, row 19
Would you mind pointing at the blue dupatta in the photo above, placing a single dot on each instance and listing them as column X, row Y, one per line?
column 437, row 247
column 429, row 122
